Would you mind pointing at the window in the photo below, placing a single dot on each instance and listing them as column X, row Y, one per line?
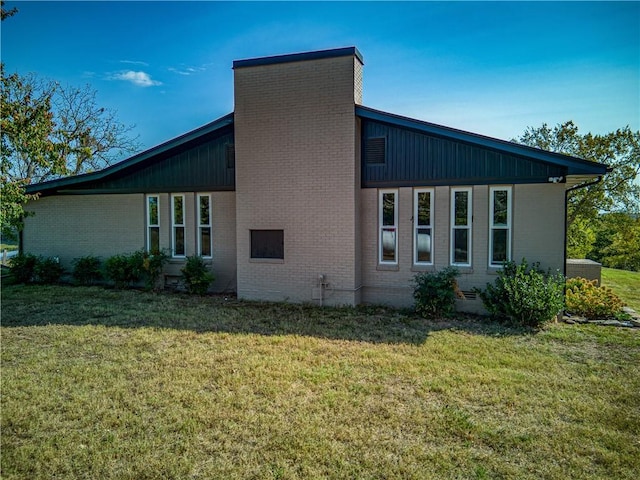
column 499, row 226
column 423, row 226
column 461, row 219
column 375, row 150
column 388, row 230
column 177, row 226
column 267, row 244
column 153, row 223
column 205, row 248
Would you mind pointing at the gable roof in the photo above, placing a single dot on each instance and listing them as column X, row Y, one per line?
column 577, row 170
column 135, row 162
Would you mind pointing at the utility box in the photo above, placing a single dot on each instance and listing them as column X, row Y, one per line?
column 584, row 268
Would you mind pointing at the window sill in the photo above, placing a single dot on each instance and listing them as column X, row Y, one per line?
column 387, row 268
column 266, row 260
column 423, row 268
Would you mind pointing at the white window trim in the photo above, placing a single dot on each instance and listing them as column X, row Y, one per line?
column 453, row 227
column 209, row 225
column 178, row 225
column 381, row 227
column 147, row 218
column 416, row 192
column 499, row 227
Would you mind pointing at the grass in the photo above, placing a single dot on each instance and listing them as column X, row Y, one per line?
column 625, row 284
column 104, row 384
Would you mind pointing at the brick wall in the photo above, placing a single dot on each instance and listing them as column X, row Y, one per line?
column 537, row 235
column 296, row 170
column 105, row 225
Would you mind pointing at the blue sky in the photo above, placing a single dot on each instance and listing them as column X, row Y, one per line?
column 489, row 68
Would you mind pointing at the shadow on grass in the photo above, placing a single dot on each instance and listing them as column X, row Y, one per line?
column 76, row 306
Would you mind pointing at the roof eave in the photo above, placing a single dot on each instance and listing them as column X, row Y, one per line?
column 574, row 165
column 132, row 161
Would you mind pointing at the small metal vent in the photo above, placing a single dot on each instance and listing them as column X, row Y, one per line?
column 230, row 155
column 375, row 150
column 469, row 294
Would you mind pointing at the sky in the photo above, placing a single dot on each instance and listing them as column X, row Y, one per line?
column 493, row 68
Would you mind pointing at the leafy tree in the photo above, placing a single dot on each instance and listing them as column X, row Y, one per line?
column 580, row 238
column 619, row 150
column 7, row 13
column 617, row 243
column 49, row 131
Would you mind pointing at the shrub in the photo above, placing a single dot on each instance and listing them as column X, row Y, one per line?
column 196, row 275
column 435, row 293
column 86, row 270
column 524, row 295
column 123, row 270
column 585, row 297
column 151, row 265
column 48, row 270
column 23, row 267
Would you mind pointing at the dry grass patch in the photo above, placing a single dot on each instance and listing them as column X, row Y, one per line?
column 105, row 384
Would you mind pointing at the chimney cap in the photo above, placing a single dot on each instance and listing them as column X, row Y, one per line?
column 299, row 57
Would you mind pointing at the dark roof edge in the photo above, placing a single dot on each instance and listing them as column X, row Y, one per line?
column 137, row 158
column 585, row 166
column 299, row 57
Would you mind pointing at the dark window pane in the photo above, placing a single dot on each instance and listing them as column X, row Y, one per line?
column 154, row 239
column 423, row 244
column 461, row 208
column 500, row 207
column 388, row 209
column 499, row 246
column 179, row 239
column 424, row 203
column 178, row 211
column 204, row 211
column 267, row 244
column 389, row 245
column 153, row 210
column 205, row 241
column 461, row 245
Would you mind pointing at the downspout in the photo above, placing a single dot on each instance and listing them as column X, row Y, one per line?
column 566, row 211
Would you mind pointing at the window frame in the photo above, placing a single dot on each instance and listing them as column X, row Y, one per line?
column 200, row 225
column 382, row 227
column 256, row 231
column 417, row 226
column 453, row 227
column 492, row 226
column 148, row 220
column 175, row 226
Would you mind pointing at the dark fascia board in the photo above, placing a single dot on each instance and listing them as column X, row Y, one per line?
column 299, row 57
column 574, row 165
column 78, row 180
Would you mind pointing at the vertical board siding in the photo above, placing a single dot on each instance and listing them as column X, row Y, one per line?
column 415, row 158
column 199, row 166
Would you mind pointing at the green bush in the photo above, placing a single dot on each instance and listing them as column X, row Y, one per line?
column 151, row 265
column 23, row 267
column 585, row 297
column 48, row 270
column 86, row 270
column 524, row 295
column 123, row 270
column 435, row 293
column 196, row 275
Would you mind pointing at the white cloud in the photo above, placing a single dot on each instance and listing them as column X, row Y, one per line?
column 135, row 62
column 141, row 79
column 186, row 70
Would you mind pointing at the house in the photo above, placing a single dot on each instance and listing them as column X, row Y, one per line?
column 304, row 194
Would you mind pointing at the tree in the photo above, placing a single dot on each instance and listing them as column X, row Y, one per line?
column 49, row 131
column 618, row 190
column 7, row 13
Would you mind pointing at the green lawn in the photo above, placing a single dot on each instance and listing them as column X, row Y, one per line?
column 625, row 284
column 130, row 385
